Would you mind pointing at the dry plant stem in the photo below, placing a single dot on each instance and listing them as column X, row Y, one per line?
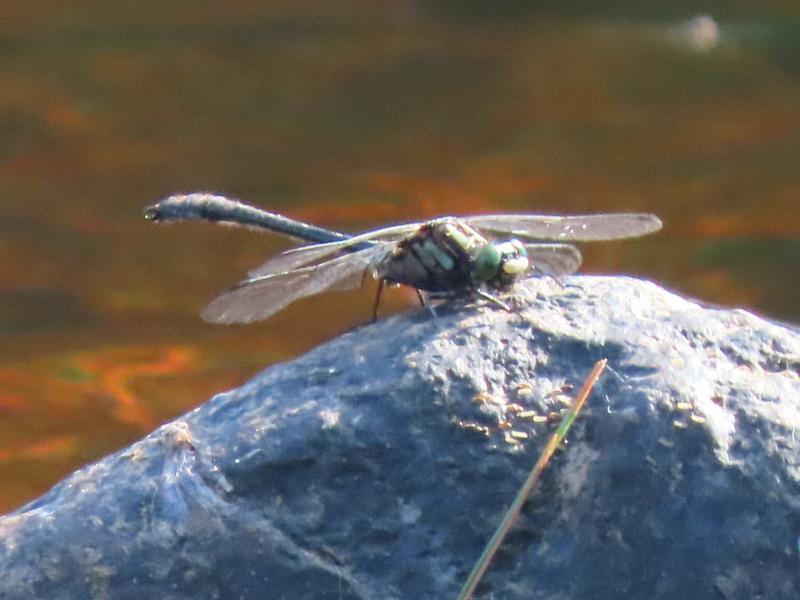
column 511, row 514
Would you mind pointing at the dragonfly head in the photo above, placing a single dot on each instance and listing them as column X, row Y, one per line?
column 499, row 264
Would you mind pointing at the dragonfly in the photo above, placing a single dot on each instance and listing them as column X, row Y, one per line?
column 440, row 258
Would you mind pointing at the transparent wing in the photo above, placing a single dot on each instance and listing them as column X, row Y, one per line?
column 258, row 298
column 554, row 259
column 304, row 255
column 568, row 228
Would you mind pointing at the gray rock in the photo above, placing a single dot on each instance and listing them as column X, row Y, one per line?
column 376, row 466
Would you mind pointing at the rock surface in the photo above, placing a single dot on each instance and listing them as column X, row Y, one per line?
column 377, row 466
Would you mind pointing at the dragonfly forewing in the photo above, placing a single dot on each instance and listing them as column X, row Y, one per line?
column 588, row 228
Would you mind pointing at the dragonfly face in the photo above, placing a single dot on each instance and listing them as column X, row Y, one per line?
column 447, row 256
column 500, row 264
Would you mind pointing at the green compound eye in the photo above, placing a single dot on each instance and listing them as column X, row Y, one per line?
column 487, row 263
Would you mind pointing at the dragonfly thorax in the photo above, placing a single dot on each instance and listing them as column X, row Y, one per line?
column 449, row 256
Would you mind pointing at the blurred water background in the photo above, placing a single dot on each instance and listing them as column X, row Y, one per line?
column 351, row 115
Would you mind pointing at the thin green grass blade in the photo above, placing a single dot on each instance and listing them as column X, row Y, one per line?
column 511, row 514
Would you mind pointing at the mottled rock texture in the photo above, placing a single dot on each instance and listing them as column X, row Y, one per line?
column 378, row 465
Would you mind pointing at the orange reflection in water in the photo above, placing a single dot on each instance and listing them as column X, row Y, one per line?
column 10, row 402
column 60, row 412
column 48, row 449
column 721, row 226
column 395, row 197
column 111, row 376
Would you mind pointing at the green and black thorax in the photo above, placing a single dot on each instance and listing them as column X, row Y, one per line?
column 449, row 256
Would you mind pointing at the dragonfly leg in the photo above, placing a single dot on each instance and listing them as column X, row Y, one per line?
column 493, row 300
column 381, row 284
column 424, row 301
